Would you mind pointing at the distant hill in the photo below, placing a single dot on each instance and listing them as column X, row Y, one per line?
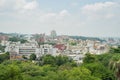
column 86, row 38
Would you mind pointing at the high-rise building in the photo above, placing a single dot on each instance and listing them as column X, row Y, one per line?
column 53, row 34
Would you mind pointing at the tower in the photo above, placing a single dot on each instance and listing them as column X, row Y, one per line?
column 53, row 34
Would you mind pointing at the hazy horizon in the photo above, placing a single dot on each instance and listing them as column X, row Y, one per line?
column 92, row 18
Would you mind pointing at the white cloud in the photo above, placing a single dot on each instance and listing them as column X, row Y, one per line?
column 98, row 6
column 23, row 6
column 2, row 2
column 100, row 10
column 18, row 5
column 31, row 5
column 53, row 16
column 27, row 14
column 60, row 14
column 64, row 13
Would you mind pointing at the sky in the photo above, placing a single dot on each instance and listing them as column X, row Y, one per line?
column 96, row 18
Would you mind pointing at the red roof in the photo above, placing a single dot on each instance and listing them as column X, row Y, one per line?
column 60, row 46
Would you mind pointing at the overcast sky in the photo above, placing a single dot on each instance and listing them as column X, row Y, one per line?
column 100, row 18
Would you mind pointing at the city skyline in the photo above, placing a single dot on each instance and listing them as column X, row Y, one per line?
column 96, row 18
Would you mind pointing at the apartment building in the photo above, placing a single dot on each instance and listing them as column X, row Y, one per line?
column 48, row 49
column 22, row 49
column 17, row 49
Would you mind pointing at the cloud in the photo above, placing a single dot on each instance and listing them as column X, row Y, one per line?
column 17, row 5
column 24, row 10
column 98, row 6
column 100, row 10
column 2, row 2
column 53, row 17
column 31, row 5
column 64, row 13
column 34, row 16
column 23, row 4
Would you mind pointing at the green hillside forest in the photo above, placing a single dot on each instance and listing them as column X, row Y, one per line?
column 94, row 67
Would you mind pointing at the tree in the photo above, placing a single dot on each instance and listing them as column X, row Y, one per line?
column 78, row 73
column 24, row 57
column 2, row 48
column 60, row 60
column 32, row 57
column 99, row 70
column 16, row 39
column 10, row 72
column 115, row 50
column 90, row 58
column 4, row 57
column 105, row 58
column 98, row 65
column 115, row 65
column 48, row 59
column 23, row 41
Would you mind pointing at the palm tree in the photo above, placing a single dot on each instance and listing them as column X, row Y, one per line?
column 115, row 66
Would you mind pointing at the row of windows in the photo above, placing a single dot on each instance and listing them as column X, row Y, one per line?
column 26, row 49
column 26, row 52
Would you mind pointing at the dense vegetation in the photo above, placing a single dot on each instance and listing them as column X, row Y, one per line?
column 4, row 57
column 95, row 67
column 16, row 39
column 2, row 48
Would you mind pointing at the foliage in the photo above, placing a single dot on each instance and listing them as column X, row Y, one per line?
column 2, row 48
column 50, row 43
column 58, row 60
column 23, row 41
column 86, row 38
column 90, row 58
column 16, row 39
column 24, row 57
column 105, row 58
column 32, row 57
column 100, row 71
column 10, row 72
column 115, row 50
column 4, row 57
column 99, row 65
column 48, row 59
column 17, row 70
column 95, row 67
column 114, row 65
column 73, row 43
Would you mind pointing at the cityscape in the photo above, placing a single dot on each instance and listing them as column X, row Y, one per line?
column 75, row 47
column 60, row 50
column 59, row 40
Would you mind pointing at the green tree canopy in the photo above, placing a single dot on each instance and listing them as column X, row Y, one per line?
column 4, row 57
column 16, row 39
column 90, row 58
column 32, row 57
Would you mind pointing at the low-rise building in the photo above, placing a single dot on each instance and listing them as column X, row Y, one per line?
column 17, row 49
column 25, row 49
column 48, row 49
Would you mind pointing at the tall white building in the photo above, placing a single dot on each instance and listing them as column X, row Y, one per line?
column 53, row 34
